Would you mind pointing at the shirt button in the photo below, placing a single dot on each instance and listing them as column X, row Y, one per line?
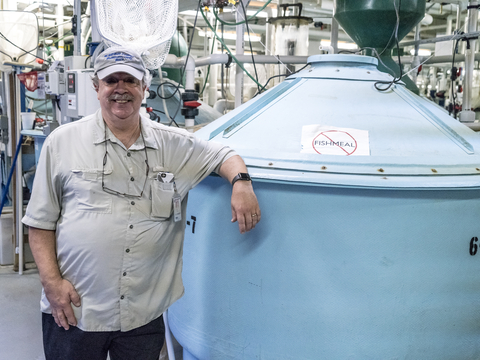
column 128, row 250
column 133, row 203
column 124, row 274
column 122, row 297
column 131, row 226
column 128, row 154
column 132, row 179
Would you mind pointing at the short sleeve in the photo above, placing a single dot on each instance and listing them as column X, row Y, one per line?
column 44, row 207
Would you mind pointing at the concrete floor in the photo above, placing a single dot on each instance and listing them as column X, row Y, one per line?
column 20, row 317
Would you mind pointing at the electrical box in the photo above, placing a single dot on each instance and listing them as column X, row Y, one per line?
column 74, row 62
column 55, row 79
column 81, row 96
column 41, row 83
column 55, row 82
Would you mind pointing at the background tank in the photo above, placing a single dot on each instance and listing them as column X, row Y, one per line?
column 372, row 24
column 356, row 257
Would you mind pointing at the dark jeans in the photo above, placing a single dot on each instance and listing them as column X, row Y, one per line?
column 142, row 343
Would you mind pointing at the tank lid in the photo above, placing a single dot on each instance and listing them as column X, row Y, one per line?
column 330, row 125
column 342, row 58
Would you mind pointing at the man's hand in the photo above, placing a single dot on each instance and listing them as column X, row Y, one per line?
column 60, row 294
column 245, row 207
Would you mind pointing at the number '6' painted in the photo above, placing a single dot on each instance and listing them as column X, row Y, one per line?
column 473, row 246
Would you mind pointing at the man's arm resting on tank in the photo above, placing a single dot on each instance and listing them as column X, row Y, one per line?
column 59, row 292
column 245, row 208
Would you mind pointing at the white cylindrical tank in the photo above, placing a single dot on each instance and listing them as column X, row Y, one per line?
column 368, row 244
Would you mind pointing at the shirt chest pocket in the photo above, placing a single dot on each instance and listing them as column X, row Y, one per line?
column 162, row 199
column 89, row 193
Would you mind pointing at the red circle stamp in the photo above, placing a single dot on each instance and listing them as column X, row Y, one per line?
column 334, row 142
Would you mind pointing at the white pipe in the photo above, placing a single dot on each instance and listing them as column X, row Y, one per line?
column 475, row 126
column 86, row 29
column 259, row 59
column 93, row 20
column 190, row 74
column 168, row 337
column 224, row 104
column 19, row 179
column 165, row 108
column 449, row 25
column 84, row 45
column 61, row 43
column 77, row 38
column 334, row 36
column 467, row 115
column 213, row 86
column 175, row 62
column 239, row 49
column 416, row 61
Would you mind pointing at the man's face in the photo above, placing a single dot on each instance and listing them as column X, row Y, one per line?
column 120, row 95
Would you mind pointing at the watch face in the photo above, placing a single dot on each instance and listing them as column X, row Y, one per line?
column 244, row 176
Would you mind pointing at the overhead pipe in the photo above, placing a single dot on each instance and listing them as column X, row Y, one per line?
column 439, row 39
column 173, row 61
column 259, row 59
column 447, row 59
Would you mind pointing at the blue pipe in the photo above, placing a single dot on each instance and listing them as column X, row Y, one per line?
column 12, row 169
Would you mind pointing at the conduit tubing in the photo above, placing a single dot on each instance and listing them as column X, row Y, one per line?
column 173, row 61
column 472, row 34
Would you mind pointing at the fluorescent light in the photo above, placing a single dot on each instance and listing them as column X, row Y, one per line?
column 230, row 35
column 421, row 52
column 341, row 45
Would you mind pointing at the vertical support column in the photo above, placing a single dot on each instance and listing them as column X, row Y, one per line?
column 61, row 43
column 212, row 89
column 93, row 20
column 467, row 115
column 77, row 25
column 18, row 180
column 334, row 36
column 416, row 60
column 239, row 49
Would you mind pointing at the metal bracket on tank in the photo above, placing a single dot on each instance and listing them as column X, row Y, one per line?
column 247, row 114
column 435, row 120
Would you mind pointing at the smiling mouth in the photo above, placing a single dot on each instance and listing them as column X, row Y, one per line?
column 121, row 99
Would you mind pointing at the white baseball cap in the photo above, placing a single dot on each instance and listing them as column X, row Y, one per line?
column 119, row 59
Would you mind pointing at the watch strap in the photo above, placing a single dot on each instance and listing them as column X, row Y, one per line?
column 242, row 177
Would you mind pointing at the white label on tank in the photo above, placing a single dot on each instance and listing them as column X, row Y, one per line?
column 331, row 140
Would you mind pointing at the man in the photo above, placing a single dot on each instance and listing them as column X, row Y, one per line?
column 107, row 219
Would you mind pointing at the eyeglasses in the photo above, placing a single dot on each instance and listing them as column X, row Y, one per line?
column 114, row 192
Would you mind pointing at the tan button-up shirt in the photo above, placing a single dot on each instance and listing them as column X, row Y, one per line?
column 123, row 254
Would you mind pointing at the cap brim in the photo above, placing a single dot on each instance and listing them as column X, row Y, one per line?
column 120, row 68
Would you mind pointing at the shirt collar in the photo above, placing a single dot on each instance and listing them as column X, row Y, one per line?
column 147, row 131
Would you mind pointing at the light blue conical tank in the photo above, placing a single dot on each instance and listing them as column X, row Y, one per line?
column 368, row 244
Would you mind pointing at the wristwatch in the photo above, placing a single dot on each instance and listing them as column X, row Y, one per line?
column 241, row 176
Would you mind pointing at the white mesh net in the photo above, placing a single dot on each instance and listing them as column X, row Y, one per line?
column 146, row 26
column 19, row 32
